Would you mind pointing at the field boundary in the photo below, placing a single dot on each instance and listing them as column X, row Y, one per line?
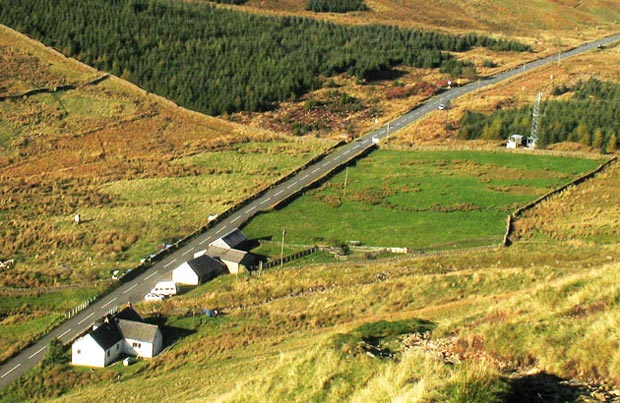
column 55, row 89
column 519, row 212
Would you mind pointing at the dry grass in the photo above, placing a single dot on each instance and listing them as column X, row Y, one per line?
column 542, row 20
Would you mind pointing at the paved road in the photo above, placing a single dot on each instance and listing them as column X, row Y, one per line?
column 135, row 290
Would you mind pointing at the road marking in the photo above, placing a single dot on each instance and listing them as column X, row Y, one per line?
column 304, row 177
column 66, row 331
column 187, row 251
column 10, row 370
column 86, row 318
column 129, row 289
column 236, row 218
column 251, row 209
column 203, row 241
column 326, row 164
column 291, row 185
column 279, row 193
column 316, row 170
column 346, row 152
column 220, row 230
column 267, row 199
column 356, row 146
column 37, row 352
column 150, row 275
column 169, row 263
column 109, row 302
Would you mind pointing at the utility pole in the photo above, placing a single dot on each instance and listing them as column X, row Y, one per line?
column 282, row 247
column 346, row 178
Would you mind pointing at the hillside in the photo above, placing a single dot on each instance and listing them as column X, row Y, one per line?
column 537, row 320
column 493, row 325
column 138, row 169
column 568, row 21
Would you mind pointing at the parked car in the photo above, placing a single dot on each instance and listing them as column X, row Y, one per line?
column 166, row 288
column 150, row 297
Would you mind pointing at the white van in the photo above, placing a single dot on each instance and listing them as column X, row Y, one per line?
column 166, row 288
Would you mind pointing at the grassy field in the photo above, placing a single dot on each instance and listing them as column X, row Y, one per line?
column 420, row 200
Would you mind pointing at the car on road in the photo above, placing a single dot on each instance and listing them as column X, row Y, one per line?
column 442, row 107
column 150, row 297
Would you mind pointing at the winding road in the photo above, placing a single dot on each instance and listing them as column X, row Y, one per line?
column 135, row 290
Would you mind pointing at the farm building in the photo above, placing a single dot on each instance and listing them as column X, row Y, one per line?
column 198, row 270
column 124, row 333
column 234, row 259
column 235, row 239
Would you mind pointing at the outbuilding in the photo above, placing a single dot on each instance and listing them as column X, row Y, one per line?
column 198, row 270
column 234, row 259
column 234, row 239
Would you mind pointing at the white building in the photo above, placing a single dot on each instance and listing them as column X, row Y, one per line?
column 198, row 270
column 124, row 333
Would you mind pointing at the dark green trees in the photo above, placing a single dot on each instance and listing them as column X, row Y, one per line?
column 220, row 61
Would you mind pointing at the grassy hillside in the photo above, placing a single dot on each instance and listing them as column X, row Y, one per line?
column 506, row 325
column 139, row 170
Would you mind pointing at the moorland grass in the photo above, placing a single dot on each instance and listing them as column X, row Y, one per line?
column 420, row 200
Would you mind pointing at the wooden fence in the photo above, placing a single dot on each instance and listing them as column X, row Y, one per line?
column 286, row 259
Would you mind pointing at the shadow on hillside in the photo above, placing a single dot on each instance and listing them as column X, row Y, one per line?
column 171, row 334
column 541, row 387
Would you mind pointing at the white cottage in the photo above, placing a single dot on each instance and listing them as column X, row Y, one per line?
column 124, row 333
column 198, row 270
column 98, row 348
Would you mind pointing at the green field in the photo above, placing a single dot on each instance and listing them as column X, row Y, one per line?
column 420, row 200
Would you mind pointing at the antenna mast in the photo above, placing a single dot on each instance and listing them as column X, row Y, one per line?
column 536, row 118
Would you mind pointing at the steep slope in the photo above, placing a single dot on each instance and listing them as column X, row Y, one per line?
column 562, row 19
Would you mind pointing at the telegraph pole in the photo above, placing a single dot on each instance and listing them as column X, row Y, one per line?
column 282, row 247
column 346, row 178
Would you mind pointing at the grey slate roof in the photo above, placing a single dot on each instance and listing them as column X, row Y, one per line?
column 106, row 335
column 141, row 331
column 207, row 267
column 231, row 255
column 128, row 313
column 234, row 238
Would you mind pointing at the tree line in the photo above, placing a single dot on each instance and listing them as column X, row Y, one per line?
column 589, row 117
column 335, row 6
column 219, row 61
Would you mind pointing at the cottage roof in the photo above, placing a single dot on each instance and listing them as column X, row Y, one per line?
column 206, row 266
column 128, row 313
column 231, row 255
column 233, row 239
column 106, row 335
column 140, row 331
